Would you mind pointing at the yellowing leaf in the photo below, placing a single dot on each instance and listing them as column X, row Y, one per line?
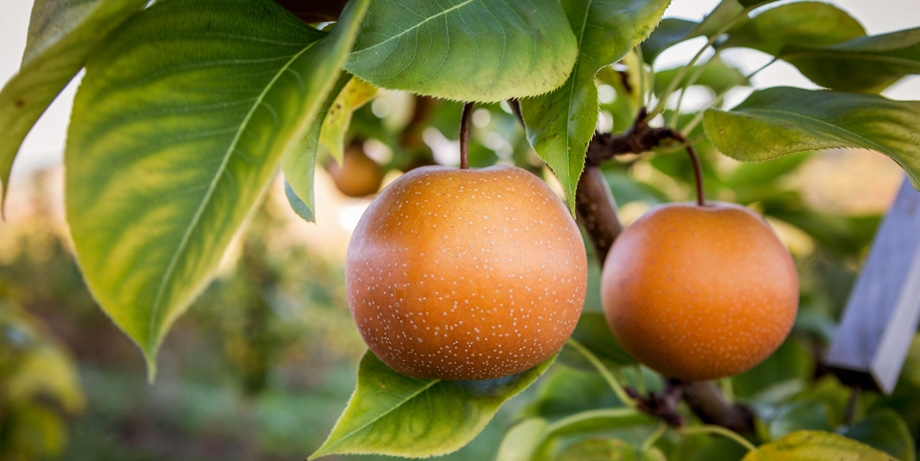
column 815, row 445
column 356, row 93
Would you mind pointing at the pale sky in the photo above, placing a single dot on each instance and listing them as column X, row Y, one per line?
column 45, row 144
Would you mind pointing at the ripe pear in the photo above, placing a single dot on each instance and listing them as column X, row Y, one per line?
column 466, row 274
column 358, row 175
column 699, row 292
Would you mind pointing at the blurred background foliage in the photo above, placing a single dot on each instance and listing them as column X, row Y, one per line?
column 265, row 359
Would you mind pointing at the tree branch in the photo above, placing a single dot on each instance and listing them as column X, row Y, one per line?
column 597, row 213
column 709, row 404
column 597, row 210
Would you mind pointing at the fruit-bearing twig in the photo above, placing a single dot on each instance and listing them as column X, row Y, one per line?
column 639, row 138
column 597, row 211
column 662, row 405
column 709, row 404
column 465, row 117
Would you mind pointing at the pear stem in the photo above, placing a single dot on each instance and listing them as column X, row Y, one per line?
column 697, row 167
column 698, row 175
column 640, row 137
column 465, row 117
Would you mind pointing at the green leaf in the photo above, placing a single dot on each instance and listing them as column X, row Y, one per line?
column 298, row 205
column 754, row 3
column 468, row 50
column 714, row 74
column 717, row 449
column 669, row 32
column 832, row 394
column 800, row 416
column 802, row 23
column 177, row 130
column 603, row 419
column 523, row 442
column 780, row 121
column 397, row 415
column 536, row 439
column 607, row 449
column 672, row 31
column 566, row 390
column 791, row 361
column 864, row 64
column 299, row 165
column 885, row 430
column 813, row 445
column 61, row 35
column 560, row 124
column 356, row 93
column 720, row 17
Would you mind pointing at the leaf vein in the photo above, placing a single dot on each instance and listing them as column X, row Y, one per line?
column 377, row 418
column 206, row 200
column 835, row 129
column 419, row 25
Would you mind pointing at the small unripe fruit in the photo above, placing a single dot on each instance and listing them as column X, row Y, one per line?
column 699, row 292
column 358, row 175
column 466, row 273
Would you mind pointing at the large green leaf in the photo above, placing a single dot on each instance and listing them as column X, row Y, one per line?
column 864, row 64
column 61, row 34
column 469, row 50
column 780, row 121
column 177, row 130
column 801, row 23
column 561, row 123
column 813, row 445
column 397, row 415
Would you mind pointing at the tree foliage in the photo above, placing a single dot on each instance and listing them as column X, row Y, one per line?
column 189, row 108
